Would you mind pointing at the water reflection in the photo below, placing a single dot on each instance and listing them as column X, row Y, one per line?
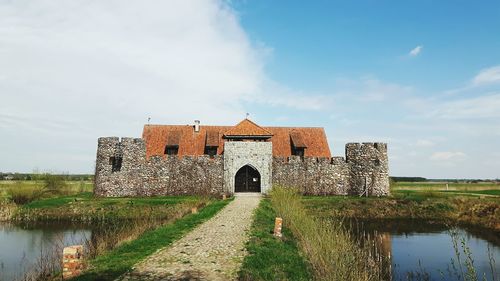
column 417, row 250
column 406, row 245
column 22, row 246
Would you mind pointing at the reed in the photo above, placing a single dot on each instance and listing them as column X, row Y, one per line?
column 108, row 235
column 332, row 251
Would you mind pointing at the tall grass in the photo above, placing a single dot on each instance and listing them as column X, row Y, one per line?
column 45, row 186
column 333, row 253
column 24, row 194
column 104, row 238
column 463, row 262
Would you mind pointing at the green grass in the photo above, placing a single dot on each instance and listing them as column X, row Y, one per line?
column 32, row 186
column 84, row 207
column 58, row 201
column 419, row 191
column 270, row 258
column 487, row 192
column 120, row 260
column 86, row 198
column 464, row 208
column 442, row 186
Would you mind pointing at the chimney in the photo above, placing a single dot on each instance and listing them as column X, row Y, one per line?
column 196, row 125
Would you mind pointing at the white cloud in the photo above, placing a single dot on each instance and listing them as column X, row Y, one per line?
column 133, row 60
column 72, row 71
column 487, row 76
column 370, row 89
column 482, row 107
column 75, row 70
column 275, row 94
column 416, row 51
column 447, row 155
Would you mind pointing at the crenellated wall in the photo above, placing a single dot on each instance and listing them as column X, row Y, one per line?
column 364, row 171
column 313, row 176
column 156, row 176
column 369, row 168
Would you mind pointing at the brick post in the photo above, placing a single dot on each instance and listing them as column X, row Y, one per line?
column 72, row 261
column 277, row 227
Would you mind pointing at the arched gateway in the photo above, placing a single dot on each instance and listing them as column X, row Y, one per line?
column 247, row 179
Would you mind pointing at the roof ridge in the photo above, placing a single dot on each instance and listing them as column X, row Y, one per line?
column 247, row 128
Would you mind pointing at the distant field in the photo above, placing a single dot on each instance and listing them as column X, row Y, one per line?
column 442, row 186
column 72, row 187
column 447, row 189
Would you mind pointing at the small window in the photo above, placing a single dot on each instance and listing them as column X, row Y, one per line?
column 298, row 151
column 116, row 163
column 211, row 151
column 171, row 150
column 377, row 162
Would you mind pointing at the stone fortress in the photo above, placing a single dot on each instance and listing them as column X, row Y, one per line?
column 215, row 160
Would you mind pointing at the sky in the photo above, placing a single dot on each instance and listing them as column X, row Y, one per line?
column 423, row 76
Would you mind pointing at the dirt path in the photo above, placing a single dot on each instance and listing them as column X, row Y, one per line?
column 212, row 251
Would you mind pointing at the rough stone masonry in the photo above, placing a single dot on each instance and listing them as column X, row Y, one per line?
column 181, row 160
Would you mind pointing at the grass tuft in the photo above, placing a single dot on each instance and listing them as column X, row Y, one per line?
column 270, row 258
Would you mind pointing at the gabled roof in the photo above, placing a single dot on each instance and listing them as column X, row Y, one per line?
column 247, row 128
column 212, row 138
column 174, row 138
column 193, row 143
column 297, row 139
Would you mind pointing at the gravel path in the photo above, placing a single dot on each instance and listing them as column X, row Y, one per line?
column 212, row 251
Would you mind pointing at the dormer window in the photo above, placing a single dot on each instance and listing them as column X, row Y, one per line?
column 298, row 151
column 171, row 150
column 211, row 151
column 297, row 143
column 211, row 143
column 172, row 146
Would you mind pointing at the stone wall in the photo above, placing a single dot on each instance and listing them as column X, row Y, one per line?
column 157, row 176
column 259, row 155
column 364, row 171
column 311, row 175
column 369, row 168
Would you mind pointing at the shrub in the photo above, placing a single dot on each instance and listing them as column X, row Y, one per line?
column 23, row 194
column 54, row 183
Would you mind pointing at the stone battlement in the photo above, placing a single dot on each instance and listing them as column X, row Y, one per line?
column 122, row 169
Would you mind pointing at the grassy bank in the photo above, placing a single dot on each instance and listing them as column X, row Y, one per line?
column 453, row 209
column 120, row 260
column 86, row 208
column 270, row 258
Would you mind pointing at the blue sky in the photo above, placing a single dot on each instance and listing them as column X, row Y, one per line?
column 423, row 76
column 313, row 43
column 314, row 47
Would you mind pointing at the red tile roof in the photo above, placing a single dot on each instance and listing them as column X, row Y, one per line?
column 193, row 143
column 297, row 139
column 212, row 138
column 174, row 138
column 247, row 128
